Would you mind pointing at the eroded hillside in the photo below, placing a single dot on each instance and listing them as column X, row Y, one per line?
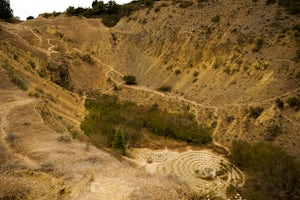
column 233, row 64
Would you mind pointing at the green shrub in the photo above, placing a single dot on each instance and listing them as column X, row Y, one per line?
column 185, row 4
column 272, row 132
column 259, row 44
column 32, row 64
column 177, row 71
column 255, row 112
column 129, row 80
column 195, row 74
column 165, row 88
column 293, row 6
column 118, row 141
column 272, row 172
column 269, row 2
column 87, row 58
column 5, row 10
column 297, row 58
column 294, row 102
column 279, row 103
column 110, row 12
column 216, row 19
column 29, row 18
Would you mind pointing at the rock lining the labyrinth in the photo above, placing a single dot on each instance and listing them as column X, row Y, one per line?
column 202, row 170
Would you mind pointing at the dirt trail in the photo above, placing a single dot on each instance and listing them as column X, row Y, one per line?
column 5, row 110
column 51, row 47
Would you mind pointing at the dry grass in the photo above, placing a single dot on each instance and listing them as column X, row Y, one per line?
column 12, row 188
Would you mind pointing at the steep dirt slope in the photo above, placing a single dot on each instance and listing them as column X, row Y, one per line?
column 223, row 60
column 38, row 162
column 212, row 59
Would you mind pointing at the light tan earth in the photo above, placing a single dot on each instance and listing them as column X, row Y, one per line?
column 53, row 169
column 34, row 164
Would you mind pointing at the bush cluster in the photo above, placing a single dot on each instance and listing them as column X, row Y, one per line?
column 273, row 173
column 6, row 12
column 293, row 6
column 255, row 112
column 129, row 79
column 107, row 115
column 110, row 12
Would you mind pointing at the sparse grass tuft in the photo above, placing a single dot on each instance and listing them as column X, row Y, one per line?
column 16, row 77
column 11, row 137
column 64, row 138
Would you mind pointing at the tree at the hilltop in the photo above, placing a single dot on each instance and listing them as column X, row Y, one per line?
column 111, row 7
column 5, row 10
column 98, row 7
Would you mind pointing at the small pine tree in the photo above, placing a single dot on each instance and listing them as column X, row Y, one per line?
column 118, row 141
column 5, row 10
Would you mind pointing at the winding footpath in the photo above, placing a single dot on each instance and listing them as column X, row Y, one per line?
column 5, row 110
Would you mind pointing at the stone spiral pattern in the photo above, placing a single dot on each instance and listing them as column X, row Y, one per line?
column 154, row 157
column 202, row 170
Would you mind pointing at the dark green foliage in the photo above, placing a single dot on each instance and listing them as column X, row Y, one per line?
column 195, row 74
column 216, row 19
column 87, row 58
column 110, row 12
column 106, row 114
column 279, row 103
column 118, row 141
column 43, row 73
column 29, row 18
column 129, row 79
column 177, row 71
column 98, row 7
column 6, row 12
column 259, row 44
column 297, row 58
column 294, row 102
column 32, row 64
column 178, row 126
column 272, row 132
column 273, row 174
column 255, row 112
column 297, row 28
column 293, row 6
column 149, row 3
column 165, row 88
column 269, row 2
column 185, row 4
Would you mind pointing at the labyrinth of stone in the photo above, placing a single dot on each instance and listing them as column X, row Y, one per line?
column 202, row 170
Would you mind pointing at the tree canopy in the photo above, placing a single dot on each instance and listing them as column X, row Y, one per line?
column 5, row 10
